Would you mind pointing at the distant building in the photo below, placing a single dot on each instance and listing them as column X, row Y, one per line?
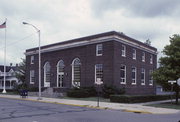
column 10, row 76
column 111, row 57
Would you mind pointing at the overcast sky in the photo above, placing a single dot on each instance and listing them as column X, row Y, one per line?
column 61, row 20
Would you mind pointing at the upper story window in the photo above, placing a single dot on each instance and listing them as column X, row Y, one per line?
column 123, row 74
column 123, row 51
column 142, row 76
column 99, row 72
column 151, row 59
column 32, row 77
column 133, row 75
column 150, row 78
column 143, row 56
column 99, row 50
column 32, row 59
column 134, row 54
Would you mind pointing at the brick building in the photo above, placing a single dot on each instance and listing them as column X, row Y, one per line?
column 111, row 57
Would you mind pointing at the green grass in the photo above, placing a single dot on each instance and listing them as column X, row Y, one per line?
column 166, row 105
column 88, row 99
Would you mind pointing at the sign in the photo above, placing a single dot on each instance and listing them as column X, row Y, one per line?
column 172, row 81
column 98, row 81
column 178, row 81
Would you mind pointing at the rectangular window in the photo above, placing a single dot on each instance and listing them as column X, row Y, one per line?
column 123, row 74
column 133, row 75
column 150, row 78
column 143, row 56
column 134, row 54
column 99, row 50
column 32, row 59
column 32, row 77
column 99, row 72
column 123, row 51
column 142, row 76
column 151, row 59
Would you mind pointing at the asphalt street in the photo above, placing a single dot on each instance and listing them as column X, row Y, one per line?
column 12, row 110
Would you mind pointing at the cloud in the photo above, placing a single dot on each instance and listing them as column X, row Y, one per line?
column 145, row 8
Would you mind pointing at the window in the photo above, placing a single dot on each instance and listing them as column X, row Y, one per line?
column 99, row 50
column 133, row 75
column 60, row 66
column 32, row 59
column 123, row 74
column 76, row 72
column 99, row 72
column 47, row 69
column 123, row 51
column 32, row 78
column 142, row 76
column 151, row 59
column 150, row 78
column 134, row 54
column 143, row 56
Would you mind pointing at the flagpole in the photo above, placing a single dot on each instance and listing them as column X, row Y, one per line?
column 4, row 88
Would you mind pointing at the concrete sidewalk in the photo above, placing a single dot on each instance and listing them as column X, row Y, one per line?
column 138, row 108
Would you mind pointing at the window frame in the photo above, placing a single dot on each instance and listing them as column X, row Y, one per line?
column 150, row 78
column 143, row 57
column 121, row 78
column 123, row 51
column 143, row 72
column 99, row 49
column 32, row 76
column 134, row 54
column 101, row 69
column 32, row 59
column 151, row 59
column 134, row 79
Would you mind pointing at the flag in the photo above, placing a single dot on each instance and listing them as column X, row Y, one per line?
column 3, row 25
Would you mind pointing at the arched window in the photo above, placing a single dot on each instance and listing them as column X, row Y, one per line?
column 60, row 73
column 76, row 72
column 60, row 66
column 47, row 74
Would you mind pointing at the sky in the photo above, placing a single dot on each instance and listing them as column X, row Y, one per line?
column 61, row 20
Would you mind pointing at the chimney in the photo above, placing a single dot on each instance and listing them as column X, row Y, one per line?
column 11, row 64
column 16, row 65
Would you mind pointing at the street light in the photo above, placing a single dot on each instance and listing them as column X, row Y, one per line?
column 25, row 23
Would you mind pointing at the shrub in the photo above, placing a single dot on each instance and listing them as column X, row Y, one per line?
column 111, row 90
column 137, row 98
column 81, row 92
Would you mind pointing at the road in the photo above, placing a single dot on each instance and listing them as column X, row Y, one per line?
column 12, row 110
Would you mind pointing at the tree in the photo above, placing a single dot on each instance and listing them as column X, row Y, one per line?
column 21, row 73
column 169, row 65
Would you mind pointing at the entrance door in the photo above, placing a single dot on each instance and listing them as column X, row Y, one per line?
column 61, row 79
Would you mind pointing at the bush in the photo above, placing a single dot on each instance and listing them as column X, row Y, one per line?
column 111, row 90
column 137, row 98
column 81, row 92
column 17, row 87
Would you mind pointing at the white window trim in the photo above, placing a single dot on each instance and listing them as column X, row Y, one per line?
column 150, row 83
column 134, row 54
column 143, row 57
column 95, row 80
column 123, row 52
column 124, row 75
column 97, row 49
column 32, row 59
column 57, row 66
column 144, row 77
column 135, row 76
column 151, row 59
column 72, row 82
column 31, row 77
column 46, row 84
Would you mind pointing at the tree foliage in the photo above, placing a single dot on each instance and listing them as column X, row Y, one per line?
column 21, row 71
column 169, row 64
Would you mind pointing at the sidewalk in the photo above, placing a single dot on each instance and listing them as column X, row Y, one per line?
column 138, row 108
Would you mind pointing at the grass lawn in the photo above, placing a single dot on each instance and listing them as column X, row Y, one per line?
column 88, row 99
column 166, row 105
